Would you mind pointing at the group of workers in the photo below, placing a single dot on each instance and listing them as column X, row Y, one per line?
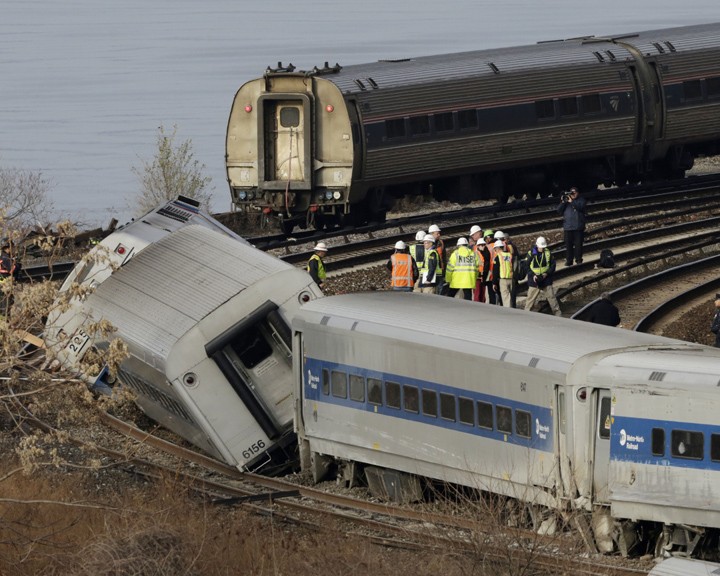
column 486, row 266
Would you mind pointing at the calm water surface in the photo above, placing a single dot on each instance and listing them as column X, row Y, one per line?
column 84, row 84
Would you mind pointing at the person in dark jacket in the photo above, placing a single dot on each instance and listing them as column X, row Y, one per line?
column 604, row 311
column 572, row 209
column 715, row 328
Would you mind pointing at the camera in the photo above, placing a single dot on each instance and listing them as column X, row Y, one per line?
column 565, row 196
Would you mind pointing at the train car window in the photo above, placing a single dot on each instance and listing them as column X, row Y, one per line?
column 485, row 415
column 444, row 122
column 338, row 381
column 466, row 412
column 357, row 388
column 468, row 119
column 429, row 403
column 374, row 391
column 715, row 447
column 692, row 90
column 411, row 399
column 447, row 407
column 712, row 86
column 392, row 395
column 251, row 346
column 591, row 104
column 504, row 419
column 522, row 423
column 687, row 444
column 544, row 109
column 395, row 128
column 289, row 117
column 568, row 106
column 562, row 417
column 658, row 442
column 326, row 381
column 604, row 418
column 419, row 125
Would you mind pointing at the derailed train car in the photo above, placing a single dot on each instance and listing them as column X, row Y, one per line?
column 615, row 426
column 205, row 317
column 337, row 144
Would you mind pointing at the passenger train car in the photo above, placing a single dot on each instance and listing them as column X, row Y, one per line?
column 616, row 426
column 206, row 320
column 336, row 144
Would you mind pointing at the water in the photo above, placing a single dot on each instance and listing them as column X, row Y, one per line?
column 85, row 84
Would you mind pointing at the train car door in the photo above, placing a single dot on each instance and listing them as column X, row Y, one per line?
column 601, row 460
column 286, row 138
column 564, row 427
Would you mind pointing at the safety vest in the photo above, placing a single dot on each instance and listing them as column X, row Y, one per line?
column 321, row 266
column 539, row 263
column 440, row 249
column 480, row 253
column 425, row 267
column 462, row 268
column 417, row 251
column 505, row 260
column 402, row 274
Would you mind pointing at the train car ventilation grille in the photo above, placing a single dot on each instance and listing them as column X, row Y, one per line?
column 150, row 392
column 610, row 55
column 534, row 362
column 599, row 57
column 657, row 376
column 494, row 68
column 373, row 83
column 354, row 326
column 360, row 84
column 670, row 46
column 502, row 356
column 325, row 320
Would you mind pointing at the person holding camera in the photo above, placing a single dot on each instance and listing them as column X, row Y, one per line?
column 541, row 268
column 572, row 209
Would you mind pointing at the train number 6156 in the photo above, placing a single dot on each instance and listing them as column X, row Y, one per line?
column 254, row 449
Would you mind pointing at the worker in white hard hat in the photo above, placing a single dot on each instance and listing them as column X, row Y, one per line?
column 503, row 268
column 475, row 233
column 442, row 257
column 403, row 270
column 316, row 266
column 483, row 256
column 541, row 268
column 510, row 247
column 462, row 270
column 427, row 283
column 417, row 250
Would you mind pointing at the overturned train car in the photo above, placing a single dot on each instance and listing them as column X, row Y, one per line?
column 205, row 317
column 335, row 145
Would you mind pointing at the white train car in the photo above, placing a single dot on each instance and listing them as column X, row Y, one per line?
column 206, row 319
column 545, row 410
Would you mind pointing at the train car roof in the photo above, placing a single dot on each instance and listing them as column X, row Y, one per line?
column 492, row 62
column 528, row 338
column 175, row 282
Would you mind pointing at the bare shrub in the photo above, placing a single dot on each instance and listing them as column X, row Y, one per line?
column 173, row 171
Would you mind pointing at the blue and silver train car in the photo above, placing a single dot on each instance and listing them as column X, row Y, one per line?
column 544, row 410
column 206, row 320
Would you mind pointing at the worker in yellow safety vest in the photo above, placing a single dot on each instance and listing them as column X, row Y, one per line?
column 316, row 266
column 541, row 268
column 462, row 270
column 503, row 268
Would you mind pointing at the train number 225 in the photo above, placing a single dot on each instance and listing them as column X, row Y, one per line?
column 254, row 449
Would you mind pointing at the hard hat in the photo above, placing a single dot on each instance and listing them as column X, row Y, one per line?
column 399, row 245
column 475, row 229
column 498, row 244
column 499, row 235
column 488, row 233
column 541, row 242
column 429, row 238
column 462, row 241
column 320, row 247
column 434, row 228
column 480, row 241
column 419, row 235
